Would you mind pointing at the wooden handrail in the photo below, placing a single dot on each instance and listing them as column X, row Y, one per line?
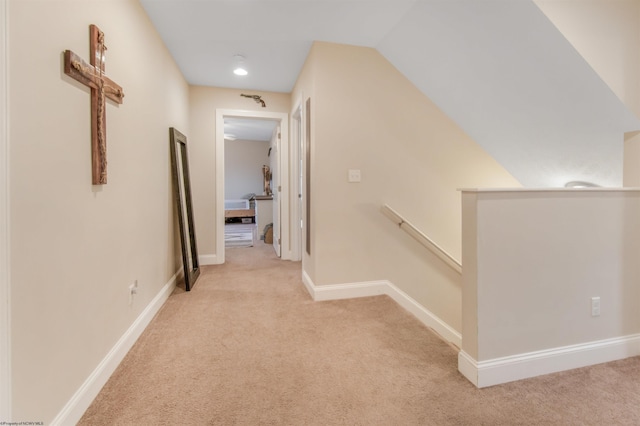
column 421, row 237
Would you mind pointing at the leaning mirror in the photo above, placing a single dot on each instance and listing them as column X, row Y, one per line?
column 182, row 191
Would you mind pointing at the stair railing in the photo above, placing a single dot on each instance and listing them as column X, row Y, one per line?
column 421, row 237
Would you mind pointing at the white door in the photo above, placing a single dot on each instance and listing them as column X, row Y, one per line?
column 276, row 186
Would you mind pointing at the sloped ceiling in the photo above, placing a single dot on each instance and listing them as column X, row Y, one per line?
column 510, row 79
column 500, row 69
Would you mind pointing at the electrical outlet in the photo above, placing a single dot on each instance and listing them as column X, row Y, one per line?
column 595, row 306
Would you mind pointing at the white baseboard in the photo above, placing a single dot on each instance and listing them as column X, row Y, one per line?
column 343, row 291
column 424, row 315
column 376, row 288
column 208, row 259
column 84, row 396
column 532, row 364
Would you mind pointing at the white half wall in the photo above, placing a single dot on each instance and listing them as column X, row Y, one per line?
column 533, row 260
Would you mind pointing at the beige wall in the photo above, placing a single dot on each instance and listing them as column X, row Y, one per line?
column 607, row 35
column 76, row 248
column 243, row 167
column 203, row 103
column 542, row 256
column 631, row 176
column 367, row 116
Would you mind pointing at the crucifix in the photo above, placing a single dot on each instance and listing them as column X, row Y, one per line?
column 102, row 87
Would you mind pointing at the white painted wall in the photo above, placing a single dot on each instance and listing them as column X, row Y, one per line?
column 532, row 262
column 76, row 248
column 243, row 167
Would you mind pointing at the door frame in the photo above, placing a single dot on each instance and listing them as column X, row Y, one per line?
column 283, row 163
column 296, row 198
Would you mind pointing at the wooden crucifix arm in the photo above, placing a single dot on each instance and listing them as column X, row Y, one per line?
column 91, row 76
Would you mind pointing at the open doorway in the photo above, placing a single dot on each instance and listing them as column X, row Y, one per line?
column 248, row 164
column 277, row 150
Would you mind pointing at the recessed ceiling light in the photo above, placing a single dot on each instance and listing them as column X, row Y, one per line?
column 238, row 62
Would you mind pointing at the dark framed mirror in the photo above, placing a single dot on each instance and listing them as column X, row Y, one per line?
column 182, row 191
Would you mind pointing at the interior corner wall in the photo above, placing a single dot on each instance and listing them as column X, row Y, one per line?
column 243, row 172
column 631, row 168
column 76, row 248
column 607, row 35
column 367, row 116
column 203, row 103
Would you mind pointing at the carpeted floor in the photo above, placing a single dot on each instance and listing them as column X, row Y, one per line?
column 247, row 346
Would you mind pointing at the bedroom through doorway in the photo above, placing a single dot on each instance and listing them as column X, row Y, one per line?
column 248, row 144
column 251, row 197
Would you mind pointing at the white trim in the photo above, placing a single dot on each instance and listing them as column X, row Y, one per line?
column 376, row 288
column 563, row 189
column 84, row 396
column 283, row 117
column 308, row 284
column 220, row 186
column 350, row 291
column 532, row 364
column 208, row 259
column 295, row 152
column 424, row 315
column 468, row 367
column 284, row 167
column 5, row 265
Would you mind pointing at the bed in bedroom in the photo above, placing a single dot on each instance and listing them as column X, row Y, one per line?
column 239, row 210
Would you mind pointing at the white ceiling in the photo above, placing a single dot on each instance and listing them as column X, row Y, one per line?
column 274, row 35
column 499, row 69
column 249, row 129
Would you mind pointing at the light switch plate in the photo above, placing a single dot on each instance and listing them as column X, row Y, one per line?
column 354, row 175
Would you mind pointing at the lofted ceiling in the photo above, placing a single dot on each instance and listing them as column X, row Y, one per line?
column 500, row 69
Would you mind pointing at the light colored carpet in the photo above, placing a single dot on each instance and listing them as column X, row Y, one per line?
column 247, row 346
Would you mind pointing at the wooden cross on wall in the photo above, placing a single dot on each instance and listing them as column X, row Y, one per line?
column 102, row 87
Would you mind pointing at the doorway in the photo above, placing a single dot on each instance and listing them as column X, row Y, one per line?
column 248, row 162
column 279, row 163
